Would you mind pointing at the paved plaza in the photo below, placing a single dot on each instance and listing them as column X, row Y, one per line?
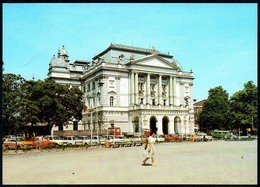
column 217, row 162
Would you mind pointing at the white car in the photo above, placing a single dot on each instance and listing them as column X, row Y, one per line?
column 137, row 140
column 159, row 139
column 58, row 140
column 73, row 141
column 204, row 136
column 87, row 140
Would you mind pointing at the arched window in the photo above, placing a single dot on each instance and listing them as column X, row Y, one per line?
column 111, row 101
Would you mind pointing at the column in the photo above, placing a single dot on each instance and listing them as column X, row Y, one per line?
column 160, row 90
column 170, row 92
column 136, row 88
column 174, row 90
column 132, row 89
column 159, row 125
column 148, row 91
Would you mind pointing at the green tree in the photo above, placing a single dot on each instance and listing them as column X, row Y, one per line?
column 58, row 103
column 243, row 107
column 13, row 103
column 32, row 101
column 215, row 112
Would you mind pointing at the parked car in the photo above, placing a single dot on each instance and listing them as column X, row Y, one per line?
column 136, row 140
column 144, row 138
column 171, row 137
column 204, row 136
column 10, row 137
column 221, row 134
column 58, row 140
column 43, row 142
column 17, row 142
column 73, row 140
column 99, row 139
column 87, row 140
column 159, row 139
column 120, row 140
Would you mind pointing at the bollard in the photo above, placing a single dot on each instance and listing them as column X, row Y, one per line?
column 106, row 144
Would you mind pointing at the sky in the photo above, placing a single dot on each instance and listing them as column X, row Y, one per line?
column 217, row 41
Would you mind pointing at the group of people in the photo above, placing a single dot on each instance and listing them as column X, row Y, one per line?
column 149, row 148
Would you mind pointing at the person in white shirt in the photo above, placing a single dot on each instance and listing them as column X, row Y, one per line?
column 150, row 149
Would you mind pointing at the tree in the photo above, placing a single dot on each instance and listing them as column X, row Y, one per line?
column 243, row 107
column 13, row 103
column 215, row 112
column 31, row 101
column 58, row 103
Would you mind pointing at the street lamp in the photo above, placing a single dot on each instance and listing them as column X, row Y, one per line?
column 91, row 126
column 91, row 121
column 252, row 121
column 185, row 126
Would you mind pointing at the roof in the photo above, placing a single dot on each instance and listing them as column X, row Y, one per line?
column 199, row 103
column 158, row 57
column 132, row 49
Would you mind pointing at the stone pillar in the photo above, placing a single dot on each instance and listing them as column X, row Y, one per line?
column 148, row 91
column 160, row 90
column 170, row 92
column 136, row 88
column 174, row 90
column 159, row 125
column 132, row 82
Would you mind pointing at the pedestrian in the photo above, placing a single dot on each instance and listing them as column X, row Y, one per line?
column 37, row 142
column 149, row 149
column 40, row 142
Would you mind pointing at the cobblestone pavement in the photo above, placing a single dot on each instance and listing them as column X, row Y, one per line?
column 217, row 162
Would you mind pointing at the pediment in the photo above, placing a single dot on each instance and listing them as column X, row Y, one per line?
column 154, row 61
column 111, row 93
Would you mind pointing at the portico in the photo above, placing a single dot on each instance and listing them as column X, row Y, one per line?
column 156, row 92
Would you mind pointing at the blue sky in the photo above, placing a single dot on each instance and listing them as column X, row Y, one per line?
column 217, row 41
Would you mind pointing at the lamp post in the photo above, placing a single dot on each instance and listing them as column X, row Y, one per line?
column 114, row 134
column 185, row 127
column 91, row 127
column 252, row 122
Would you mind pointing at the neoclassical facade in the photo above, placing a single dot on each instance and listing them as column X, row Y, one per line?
column 129, row 87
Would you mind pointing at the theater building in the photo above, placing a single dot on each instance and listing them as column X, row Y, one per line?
column 129, row 87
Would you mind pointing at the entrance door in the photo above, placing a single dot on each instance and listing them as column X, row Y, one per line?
column 153, row 128
column 165, row 122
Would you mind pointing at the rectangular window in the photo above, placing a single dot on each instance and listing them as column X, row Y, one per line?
column 111, row 101
column 164, row 102
column 153, row 101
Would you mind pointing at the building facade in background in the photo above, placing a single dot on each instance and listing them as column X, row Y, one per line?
column 197, row 109
column 129, row 87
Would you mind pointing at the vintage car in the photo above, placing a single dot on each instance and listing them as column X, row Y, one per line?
column 57, row 139
column 117, row 141
column 102, row 140
column 73, row 140
column 204, row 137
column 171, row 137
column 159, row 139
column 221, row 134
column 17, row 142
column 136, row 140
column 87, row 140
column 42, row 142
column 144, row 138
